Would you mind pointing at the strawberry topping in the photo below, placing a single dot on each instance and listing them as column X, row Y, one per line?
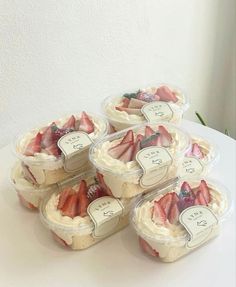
column 158, row 214
column 86, row 125
column 63, row 196
column 127, row 155
column 70, row 124
column 70, row 206
column 129, row 137
column 83, row 200
column 166, row 95
column 147, row 248
column 34, row 146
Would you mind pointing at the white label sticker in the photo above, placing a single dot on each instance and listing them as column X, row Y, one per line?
column 191, row 166
column 156, row 111
column 105, row 212
column 200, row 222
column 74, row 147
column 155, row 162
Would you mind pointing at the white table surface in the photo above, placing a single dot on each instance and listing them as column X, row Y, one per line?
column 30, row 257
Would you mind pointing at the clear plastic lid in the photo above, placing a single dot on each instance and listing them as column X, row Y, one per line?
column 56, row 217
column 103, row 161
column 39, row 146
column 178, row 102
column 155, row 216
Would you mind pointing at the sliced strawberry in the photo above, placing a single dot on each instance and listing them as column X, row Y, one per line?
column 136, row 104
column 185, row 202
column 166, row 202
column 86, row 125
column 34, row 145
column 47, row 136
column 149, row 131
column 137, row 148
column 28, row 174
column 102, row 183
column 158, row 215
column 205, row 191
column 129, row 137
column 95, row 191
column 166, row 95
column 129, row 111
column 147, row 248
column 196, row 151
column 63, row 196
column 146, row 97
column 200, row 198
column 166, row 137
column 26, row 203
column 119, row 149
column 125, row 102
column 83, row 200
column 139, row 137
column 196, row 201
column 53, row 150
column 153, row 140
column 70, row 206
column 175, row 197
column 174, row 214
column 70, row 124
column 59, row 239
column 185, row 189
column 127, row 155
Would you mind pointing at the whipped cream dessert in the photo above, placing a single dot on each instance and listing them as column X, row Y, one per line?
column 39, row 151
column 65, row 213
column 30, row 195
column 115, row 157
column 125, row 111
column 156, row 217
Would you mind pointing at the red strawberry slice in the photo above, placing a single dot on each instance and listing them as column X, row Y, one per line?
column 200, row 198
column 158, row 215
column 175, row 197
column 147, row 248
column 127, row 155
column 95, row 191
column 139, row 137
column 47, row 136
column 63, row 196
column 148, row 131
column 70, row 206
column 166, row 202
column 70, row 124
column 59, row 239
column 26, row 203
column 129, row 111
column 196, row 151
column 83, row 200
column 102, row 183
column 129, row 137
column 53, row 150
column 125, row 102
column 86, row 125
column 174, row 214
column 34, row 145
column 186, row 187
column 28, row 174
column 166, row 95
column 137, row 148
column 166, row 137
column 136, row 104
column 205, row 191
column 119, row 149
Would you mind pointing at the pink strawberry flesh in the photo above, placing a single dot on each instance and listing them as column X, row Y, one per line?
column 196, row 151
column 127, row 155
column 47, row 136
column 136, row 104
column 125, row 102
column 83, row 200
column 139, row 137
column 95, row 191
column 174, row 214
column 28, row 174
column 200, row 198
column 166, row 202
column 119, row 149
column 137, row 148
column 129, row 137
column 34, row 146
column 70, row 206
column 158, row 215
column 63, row 197
column 129, row 111
column 86, row 125
column 102, row 183
column 185, row 202
column 70, row 124
column 166, row 137
column 166, row 95
column 53, row 150
column 147, row 248
column 149, row 131
column 205, row 191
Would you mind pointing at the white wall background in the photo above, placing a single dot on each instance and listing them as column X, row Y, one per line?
column 64, row 55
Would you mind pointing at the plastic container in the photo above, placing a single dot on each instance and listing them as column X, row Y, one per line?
column 170, row 226
column 46, row 163
column 87, row 216
column 30, row 195
column 122, row 113
column 128, row 179
column 200, row 159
